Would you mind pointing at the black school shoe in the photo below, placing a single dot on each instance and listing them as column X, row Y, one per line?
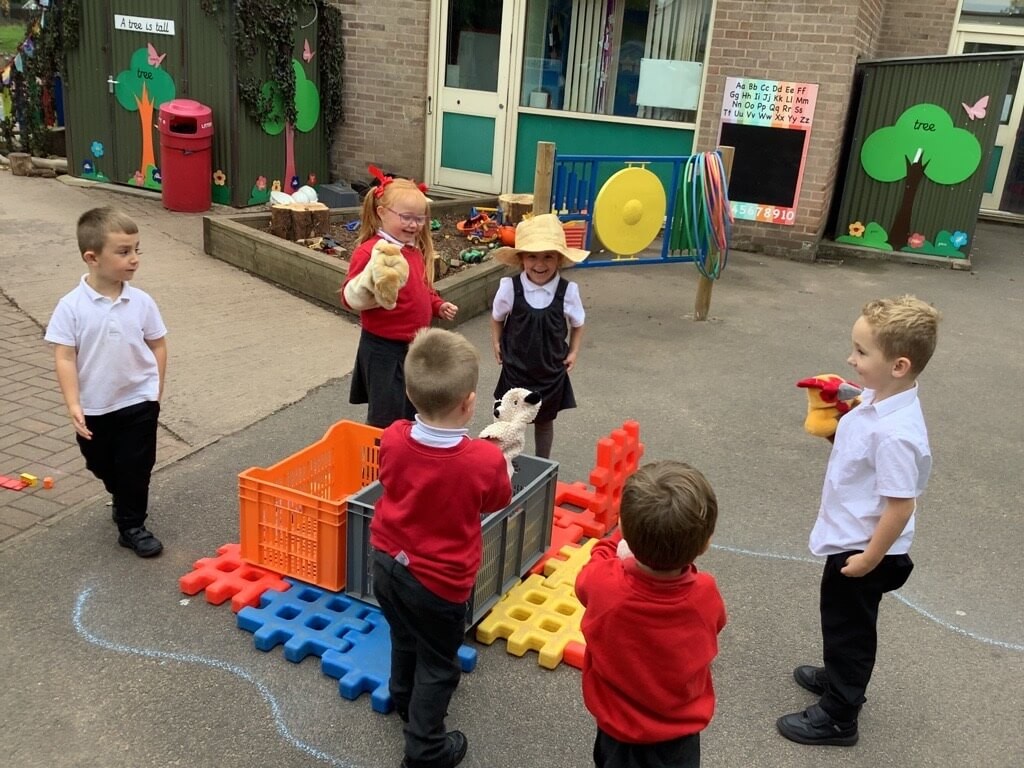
column 141, row 542
column 811, row 679
column 457, row 746
column 815, row 726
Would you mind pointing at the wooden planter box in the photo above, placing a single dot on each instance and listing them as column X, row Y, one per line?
column 239, row 241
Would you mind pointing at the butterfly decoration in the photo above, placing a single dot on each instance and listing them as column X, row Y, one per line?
column 154, row 58
column 307, row 52
column 977, row 110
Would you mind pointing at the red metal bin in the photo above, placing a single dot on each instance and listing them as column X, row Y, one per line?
column 186, row 141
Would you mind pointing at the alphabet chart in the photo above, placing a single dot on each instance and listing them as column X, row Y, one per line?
column 769, row 124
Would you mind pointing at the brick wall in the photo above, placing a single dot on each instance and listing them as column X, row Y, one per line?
column 815, row 42
column 915, row 28
column 819, row 41
column 386, row 58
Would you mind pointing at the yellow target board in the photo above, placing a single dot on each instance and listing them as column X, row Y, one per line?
column 629, row 211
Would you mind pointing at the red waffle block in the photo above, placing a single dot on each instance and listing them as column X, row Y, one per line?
column 618, row 456
column 573, row 654
column 589, row 506
column 563, row 531
column 12, row 483
column 227, row 576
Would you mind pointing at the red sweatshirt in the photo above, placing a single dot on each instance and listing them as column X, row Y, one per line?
column 650, row 643
column 417, row 303
column 431, row 507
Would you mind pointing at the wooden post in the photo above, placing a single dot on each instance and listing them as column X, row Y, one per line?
column 542, row 175
column 702, row 304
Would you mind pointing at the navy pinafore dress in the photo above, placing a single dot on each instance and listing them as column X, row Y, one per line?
column 534, row 346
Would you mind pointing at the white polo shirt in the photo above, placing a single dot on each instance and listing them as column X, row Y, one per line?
column 881, row 450
column 538, row 297
column 115, row 367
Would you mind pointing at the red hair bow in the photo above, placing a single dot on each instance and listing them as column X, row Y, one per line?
column 383, row 180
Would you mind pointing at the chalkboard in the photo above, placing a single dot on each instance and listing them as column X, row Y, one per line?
column 767, row 164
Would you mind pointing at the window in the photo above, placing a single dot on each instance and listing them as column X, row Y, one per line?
column 632, row 58
column 1001, row 12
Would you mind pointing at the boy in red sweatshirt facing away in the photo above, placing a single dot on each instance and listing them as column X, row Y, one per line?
column 426, row 537
column 652, row 623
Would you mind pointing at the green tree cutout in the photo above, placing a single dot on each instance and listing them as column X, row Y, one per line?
column 923, row 142
column 307, row 109
column 142, row 88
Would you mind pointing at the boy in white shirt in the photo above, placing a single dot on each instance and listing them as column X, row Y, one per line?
column 879, row 465
column 111, row 356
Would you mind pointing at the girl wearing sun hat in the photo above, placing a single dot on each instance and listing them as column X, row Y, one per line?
column 537, row 321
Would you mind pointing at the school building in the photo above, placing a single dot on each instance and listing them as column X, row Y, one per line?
column 459, row 92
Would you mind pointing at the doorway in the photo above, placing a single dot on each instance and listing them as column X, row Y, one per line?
column 1004, row 187
column 471, row 102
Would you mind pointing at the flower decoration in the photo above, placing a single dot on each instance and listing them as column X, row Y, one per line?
column 311, row 180
column 87, row 167
column 959, row 239
column 916, row 240
column 856, row 229
column 219, row 177
column 97, row 149
column 261, row 183
column 157, row 177
column 295, row 183
column 275, row 186
column 139, row 179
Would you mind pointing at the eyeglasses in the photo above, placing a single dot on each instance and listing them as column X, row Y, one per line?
column 408, row 218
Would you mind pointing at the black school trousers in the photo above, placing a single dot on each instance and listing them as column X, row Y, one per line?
column 683, row 752
column 122, row 453
column 426, row 633
column 849, row 628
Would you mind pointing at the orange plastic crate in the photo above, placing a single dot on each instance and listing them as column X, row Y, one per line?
column 575, row 233
column 292, row 515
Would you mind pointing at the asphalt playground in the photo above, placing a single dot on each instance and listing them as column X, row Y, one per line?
column 108, row 665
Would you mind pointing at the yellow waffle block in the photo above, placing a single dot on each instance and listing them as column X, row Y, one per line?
column 558, row 572
column 534, row 616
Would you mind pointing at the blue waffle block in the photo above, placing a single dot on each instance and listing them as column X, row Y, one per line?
column 307, row 619
column 366, row 666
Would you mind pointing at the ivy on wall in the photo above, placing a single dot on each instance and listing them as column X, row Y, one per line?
column 264, row 38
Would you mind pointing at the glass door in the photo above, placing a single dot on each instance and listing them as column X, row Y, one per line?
column 471, row 114
column 1004, row 187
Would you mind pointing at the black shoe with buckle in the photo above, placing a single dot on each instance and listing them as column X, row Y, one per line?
column 457, row 746
column 141, row 542
column 815, row 726
column 811, row 679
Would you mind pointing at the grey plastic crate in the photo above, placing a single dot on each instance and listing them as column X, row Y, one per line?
column 515, row 538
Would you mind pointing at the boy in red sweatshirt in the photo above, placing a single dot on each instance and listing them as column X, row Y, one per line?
column 652, row 623
column 426, row 537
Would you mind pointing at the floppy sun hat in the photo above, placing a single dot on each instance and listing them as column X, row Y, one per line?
column 537, row 235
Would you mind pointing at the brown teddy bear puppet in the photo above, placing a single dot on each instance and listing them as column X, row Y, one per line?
column 379, row 282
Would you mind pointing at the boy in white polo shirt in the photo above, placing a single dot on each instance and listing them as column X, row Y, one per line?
column 111, row 355
column 879, row 465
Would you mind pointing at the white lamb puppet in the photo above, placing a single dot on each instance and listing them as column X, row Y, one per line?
column 381, row 279
column 516, row 409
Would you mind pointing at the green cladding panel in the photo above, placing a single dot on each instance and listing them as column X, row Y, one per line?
column 920, row 152
column 467, row 143
column 107, row 140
